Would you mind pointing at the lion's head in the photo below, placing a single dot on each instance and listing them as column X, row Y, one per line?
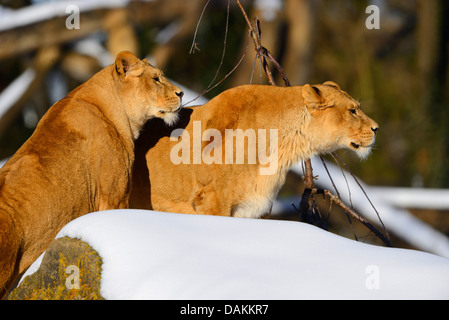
column 145, row 91
column 339, row 121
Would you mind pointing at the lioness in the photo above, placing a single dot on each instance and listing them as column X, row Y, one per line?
column 79, row 159
column 201, row 167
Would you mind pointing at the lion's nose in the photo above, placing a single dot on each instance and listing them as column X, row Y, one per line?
column 375, row 129
column 180, row 94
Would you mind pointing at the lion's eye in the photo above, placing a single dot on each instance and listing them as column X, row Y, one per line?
column 353, row 111
column 156, row 79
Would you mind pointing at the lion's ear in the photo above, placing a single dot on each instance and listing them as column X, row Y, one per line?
column 332, row 84
column 312, row 96
column 127, row 64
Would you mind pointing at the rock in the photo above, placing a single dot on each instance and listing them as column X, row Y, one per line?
column 70, row 270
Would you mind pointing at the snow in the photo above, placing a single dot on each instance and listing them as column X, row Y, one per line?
column 91, row 46
column 418, row 198
column 10, row 19
column 269, row 8
column 11, row 94
column 3, row 161
column 167, row 33
column 155, row 255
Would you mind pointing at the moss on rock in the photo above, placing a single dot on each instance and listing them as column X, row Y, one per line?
column 70, row 270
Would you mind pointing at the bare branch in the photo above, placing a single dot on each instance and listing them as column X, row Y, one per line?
column 354, row 214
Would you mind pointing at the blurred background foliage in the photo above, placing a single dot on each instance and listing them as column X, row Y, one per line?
column 399, row 72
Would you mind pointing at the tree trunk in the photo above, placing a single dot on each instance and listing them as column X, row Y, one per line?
column 301, row 16
column 432, row 39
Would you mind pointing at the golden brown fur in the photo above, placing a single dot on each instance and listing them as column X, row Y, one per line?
column 309, row 120
column 79, row 159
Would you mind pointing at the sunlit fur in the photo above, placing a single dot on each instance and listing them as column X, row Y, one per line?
column 79, row 159
column 310, row 120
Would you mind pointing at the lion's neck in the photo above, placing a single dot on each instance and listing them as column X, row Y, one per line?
column 294, row 141
column 136, row 124
column 107, row 100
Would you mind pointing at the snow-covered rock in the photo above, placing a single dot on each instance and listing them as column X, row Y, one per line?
column 154, row 255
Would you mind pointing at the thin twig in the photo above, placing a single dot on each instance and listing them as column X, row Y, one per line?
column 330, row 177
column 366, row 195
column 262, row 52
column 224, row 78
column 338, row 194
column 279, row 68
column 210, row 86
column 252, row 72
column 194, row 47
column 224, row 47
